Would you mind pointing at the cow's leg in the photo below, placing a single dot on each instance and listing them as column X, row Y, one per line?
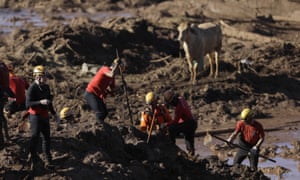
column 209, row 56
column 194, row 69
column 189, row 61
column 217, row 64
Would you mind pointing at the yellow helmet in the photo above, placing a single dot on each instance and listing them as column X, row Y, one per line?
column 38, row 70
column 150, row 97
column 65, row 113
column 169, row 96
column 246, row 113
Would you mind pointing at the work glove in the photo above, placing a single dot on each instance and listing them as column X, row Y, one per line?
column 148, row 111
column 253, row 150
column 45, row 101
column 229, row 142
column 117, row 61
column 10, row 99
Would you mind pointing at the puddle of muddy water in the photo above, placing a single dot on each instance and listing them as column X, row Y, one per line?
column 10, row 19
column 290, row 164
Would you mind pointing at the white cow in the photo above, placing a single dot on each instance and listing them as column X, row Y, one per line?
column 198, row 41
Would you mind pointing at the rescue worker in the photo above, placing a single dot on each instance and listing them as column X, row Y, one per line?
column 18, row 86
column 39, row 103
column 251, row 136
column 102, row 84
column 5, row 92
column 154, row 111
column 183, row 121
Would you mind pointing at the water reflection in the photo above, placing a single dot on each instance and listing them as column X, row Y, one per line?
column 10, row 19
column 291, row 165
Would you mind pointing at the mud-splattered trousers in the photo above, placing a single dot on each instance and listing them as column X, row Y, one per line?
column 39, row 125
column 98, row 106
column 188, row 129
column 242, row 154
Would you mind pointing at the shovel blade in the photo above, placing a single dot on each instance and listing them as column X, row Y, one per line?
column 207, row 139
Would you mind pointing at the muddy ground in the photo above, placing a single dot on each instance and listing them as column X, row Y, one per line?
column 144, row 33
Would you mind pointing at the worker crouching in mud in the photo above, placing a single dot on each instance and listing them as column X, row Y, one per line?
column 183, row 121
column 154, row 115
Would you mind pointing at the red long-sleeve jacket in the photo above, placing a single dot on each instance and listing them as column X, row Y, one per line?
column 182, row 112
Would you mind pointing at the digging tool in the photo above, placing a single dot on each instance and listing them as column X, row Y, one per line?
column 238, row 146
column 207, row 139
column 151, row 129
column 125, row 90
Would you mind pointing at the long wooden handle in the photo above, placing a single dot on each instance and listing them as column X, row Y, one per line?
column 151, row 128
column 238, row 146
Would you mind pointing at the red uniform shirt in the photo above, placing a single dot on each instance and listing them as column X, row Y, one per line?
column 182, row 112
column 250, row 132
column 18, row 87
column 100, row 82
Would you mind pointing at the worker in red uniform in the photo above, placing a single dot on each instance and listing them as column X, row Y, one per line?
column 250, row 139
column 18, row 86
column 99, row 87
column 154, row 111
column 39, row 103
column 183, row 121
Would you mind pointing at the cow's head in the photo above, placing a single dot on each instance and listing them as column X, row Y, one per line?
column 183, row 30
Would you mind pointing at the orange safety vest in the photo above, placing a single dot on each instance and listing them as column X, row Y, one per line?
column 161, row 114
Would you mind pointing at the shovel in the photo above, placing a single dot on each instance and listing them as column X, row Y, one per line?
column 238, row 146
column 125, row 90
column 207, row 139
column 151, row 129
